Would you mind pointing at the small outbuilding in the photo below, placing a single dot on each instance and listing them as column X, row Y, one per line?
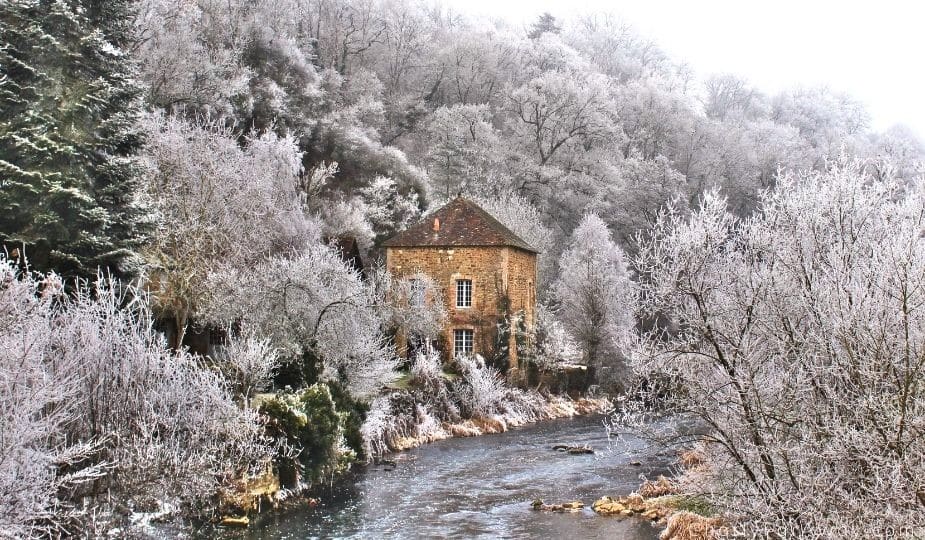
column 487, row 275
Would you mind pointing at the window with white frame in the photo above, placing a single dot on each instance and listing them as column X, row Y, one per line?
column 462, row 342
column 463, row 293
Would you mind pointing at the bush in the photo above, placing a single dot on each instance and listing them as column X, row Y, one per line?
column 96, row 408
column 248, row 363
column 427, row 370
column 798, row 338
column 378, row 429
column 320, row 425
column 481, row 389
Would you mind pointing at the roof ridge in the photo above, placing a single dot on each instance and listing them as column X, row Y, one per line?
column 494, row 221
column 458, row 230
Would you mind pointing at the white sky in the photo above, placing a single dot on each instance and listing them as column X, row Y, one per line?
column 873, row 50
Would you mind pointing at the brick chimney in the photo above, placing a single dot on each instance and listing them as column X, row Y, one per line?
column 436, row 225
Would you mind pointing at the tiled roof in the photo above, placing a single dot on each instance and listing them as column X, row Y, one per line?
column 462, row 223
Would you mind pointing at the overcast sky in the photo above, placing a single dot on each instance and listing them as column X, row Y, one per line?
column 872, row 50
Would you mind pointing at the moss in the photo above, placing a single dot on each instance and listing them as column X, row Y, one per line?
column 693, row 503
column 352, row 414
column 402, row 383
column 323, row 423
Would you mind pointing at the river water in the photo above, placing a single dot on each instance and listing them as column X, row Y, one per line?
column 480, row 487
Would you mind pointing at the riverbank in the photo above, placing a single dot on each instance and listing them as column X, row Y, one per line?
column 434, row 405
column 426, row 405
column 478, row 487
column 556, row 407
column 668, row 507
column 251, row 496
column 672, row 503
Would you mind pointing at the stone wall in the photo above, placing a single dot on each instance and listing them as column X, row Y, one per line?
column 503, row 279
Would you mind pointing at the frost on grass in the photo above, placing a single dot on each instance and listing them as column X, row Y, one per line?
column 96, row 409
column 481, row 389
column 474, row 401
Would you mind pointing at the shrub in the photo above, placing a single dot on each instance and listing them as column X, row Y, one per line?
column 323, row 433
column 95, row 408
column 248, row 363
column 799, row 340
column 481, row 389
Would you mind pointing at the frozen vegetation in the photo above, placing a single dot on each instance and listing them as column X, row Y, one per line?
column 797, row 338
column 437, row 406
column 101, row 419
column 178, row 169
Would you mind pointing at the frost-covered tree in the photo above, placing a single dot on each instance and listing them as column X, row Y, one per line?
column 239, row 61
column 523, row 219
column 898, row 151
column 217, row 205
column 655, row 118
column 798, row 338
column 554, row 115
column 827, row 120
column 731, row 97
column 618, row 50
column 553, row 346
column 96, row 408
column 412, row 305
column 593, row 291
column 68, row 137
column 464, row 151
column 389, row 209
column 546, row 23
column 434, row 103
column 348, row 218
column 633, row 201
column 476, row 65
column 318, row 312
column 191, row 54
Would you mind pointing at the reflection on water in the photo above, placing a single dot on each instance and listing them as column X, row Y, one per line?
column 479, row 487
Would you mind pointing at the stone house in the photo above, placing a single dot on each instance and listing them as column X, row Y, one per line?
column 486, row 274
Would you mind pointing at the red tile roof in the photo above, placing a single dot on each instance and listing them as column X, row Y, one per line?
column 461, row 223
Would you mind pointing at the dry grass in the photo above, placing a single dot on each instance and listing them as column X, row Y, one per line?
column 248, row 493
column 691, row 458
column 690, row 526
column 661, row 486
column 633, row 505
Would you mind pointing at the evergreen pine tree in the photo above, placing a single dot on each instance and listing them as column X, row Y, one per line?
column 546, row 23
column 68, row 107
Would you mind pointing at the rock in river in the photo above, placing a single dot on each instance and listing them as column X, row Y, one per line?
column 573, row 506
column 573, row 450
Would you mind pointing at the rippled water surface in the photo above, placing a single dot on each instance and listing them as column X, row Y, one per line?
column 479, row 487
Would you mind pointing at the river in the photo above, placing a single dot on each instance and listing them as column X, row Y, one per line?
column 479, row 487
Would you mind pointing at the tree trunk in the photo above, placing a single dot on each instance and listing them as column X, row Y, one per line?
column 179, row 321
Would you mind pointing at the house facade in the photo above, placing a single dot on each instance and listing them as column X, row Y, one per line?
column 485, row 272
